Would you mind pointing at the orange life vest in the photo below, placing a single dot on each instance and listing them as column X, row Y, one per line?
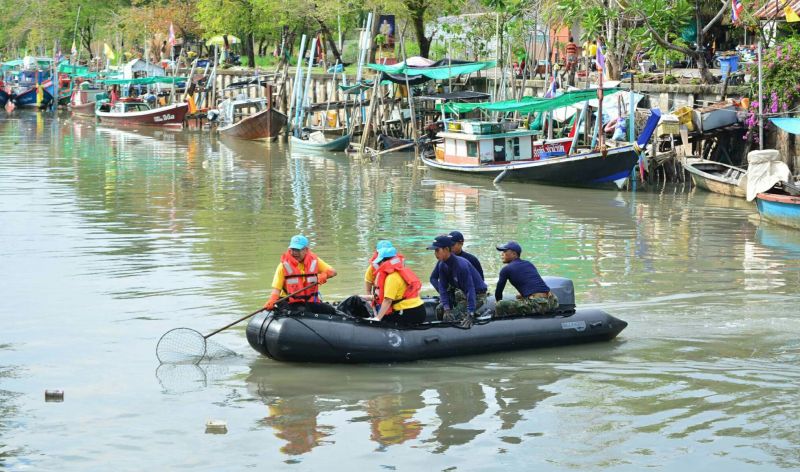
column 295, row 279
column 375, row 263
column 396, row 264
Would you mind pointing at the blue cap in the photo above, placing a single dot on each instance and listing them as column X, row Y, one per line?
column 385, row 252
column 298, row 241
column 457, row 236
column 511, row 245
column 382, row 244
column 441, row 241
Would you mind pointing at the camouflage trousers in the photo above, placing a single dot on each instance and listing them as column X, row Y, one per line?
column 458, row 301
column 527, row 306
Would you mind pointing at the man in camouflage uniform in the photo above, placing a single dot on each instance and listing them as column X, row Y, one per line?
column 534, row 297
column 461, row 288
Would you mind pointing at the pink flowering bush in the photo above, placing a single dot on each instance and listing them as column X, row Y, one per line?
column 781, row 82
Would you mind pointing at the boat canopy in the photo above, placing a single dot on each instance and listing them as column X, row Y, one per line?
column 144, row 81
column 440, row 70
column 72, row 69
column 527, row 104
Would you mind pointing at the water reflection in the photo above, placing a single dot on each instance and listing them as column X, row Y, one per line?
column 436, row 410
column 9, row 410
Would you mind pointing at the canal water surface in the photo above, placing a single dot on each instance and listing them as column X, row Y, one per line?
column 109, row 238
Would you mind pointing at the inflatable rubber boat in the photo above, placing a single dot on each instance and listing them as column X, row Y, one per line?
column 343, row 338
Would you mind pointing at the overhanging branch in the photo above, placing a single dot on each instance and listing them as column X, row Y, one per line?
column 718, row 16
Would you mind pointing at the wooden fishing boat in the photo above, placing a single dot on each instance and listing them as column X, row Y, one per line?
column 717, row 177
column 586, row 168
column 781, row 205
column 317, row 141
column 29, row 98
column 135, row 112
column 83, row 101
column 494, row 149
column 342, row 338
column 265, row 123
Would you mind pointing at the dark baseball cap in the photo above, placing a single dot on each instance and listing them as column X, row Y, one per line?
column 457, row 236
column 441, row 241
column 511, row 245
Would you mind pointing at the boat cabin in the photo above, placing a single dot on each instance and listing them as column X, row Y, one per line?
column 480, row 142
column 125, row 106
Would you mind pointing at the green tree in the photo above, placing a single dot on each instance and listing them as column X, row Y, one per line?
column 673, row 15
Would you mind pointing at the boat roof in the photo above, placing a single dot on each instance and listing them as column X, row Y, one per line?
column 528, row 104
column 479, row 137
column 144, row 80
column 443, row 69
column 461, row 95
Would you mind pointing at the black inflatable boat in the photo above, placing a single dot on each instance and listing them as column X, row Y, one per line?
column 341, row 338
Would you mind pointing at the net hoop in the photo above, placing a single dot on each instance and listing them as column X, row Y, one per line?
column 181, row 346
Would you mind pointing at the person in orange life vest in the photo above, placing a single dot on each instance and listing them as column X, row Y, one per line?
column 398, row 288
column 300, row 268
column 369, row 276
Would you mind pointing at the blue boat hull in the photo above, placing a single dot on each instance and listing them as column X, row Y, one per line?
column 27, row 99
column 4, row 96
column 781, row 209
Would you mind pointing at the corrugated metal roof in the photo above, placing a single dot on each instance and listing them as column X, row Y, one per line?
column 767, row 12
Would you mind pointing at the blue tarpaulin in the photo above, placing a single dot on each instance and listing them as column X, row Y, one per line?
column 790, row 125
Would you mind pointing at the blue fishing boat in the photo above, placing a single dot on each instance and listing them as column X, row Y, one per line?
column 780, row 207
column 771, row 185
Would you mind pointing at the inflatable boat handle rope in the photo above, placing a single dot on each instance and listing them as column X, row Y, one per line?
column 189, row 346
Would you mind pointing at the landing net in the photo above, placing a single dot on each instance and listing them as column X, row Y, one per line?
column 187, row 346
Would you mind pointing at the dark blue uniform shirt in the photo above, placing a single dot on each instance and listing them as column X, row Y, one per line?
column 469, row 257
column 523, row 276
column 458, row 273
column 474, row 261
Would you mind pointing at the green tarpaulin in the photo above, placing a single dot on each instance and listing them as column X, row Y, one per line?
column 435, row 73
column 72, row 69
column 144, row 81
column 528, row 104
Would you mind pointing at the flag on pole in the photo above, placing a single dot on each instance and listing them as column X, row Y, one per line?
column 600, row 59
column 171, row 36
column 791, row 15
column 551, row 90
column 74, row 49
column 108, row 52
column 736, row 10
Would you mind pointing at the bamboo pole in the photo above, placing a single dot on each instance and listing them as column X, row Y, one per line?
column 302, row 109
column 295, row 88
column 368, row 125
column 409, row 95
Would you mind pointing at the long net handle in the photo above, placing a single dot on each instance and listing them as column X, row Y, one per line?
column 259, row 310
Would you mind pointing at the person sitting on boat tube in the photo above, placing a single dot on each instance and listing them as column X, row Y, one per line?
column 534, row 297
column 397, row 299
column 458, row 250
column 299, row 268
column 369, row 276
column 461, row 289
